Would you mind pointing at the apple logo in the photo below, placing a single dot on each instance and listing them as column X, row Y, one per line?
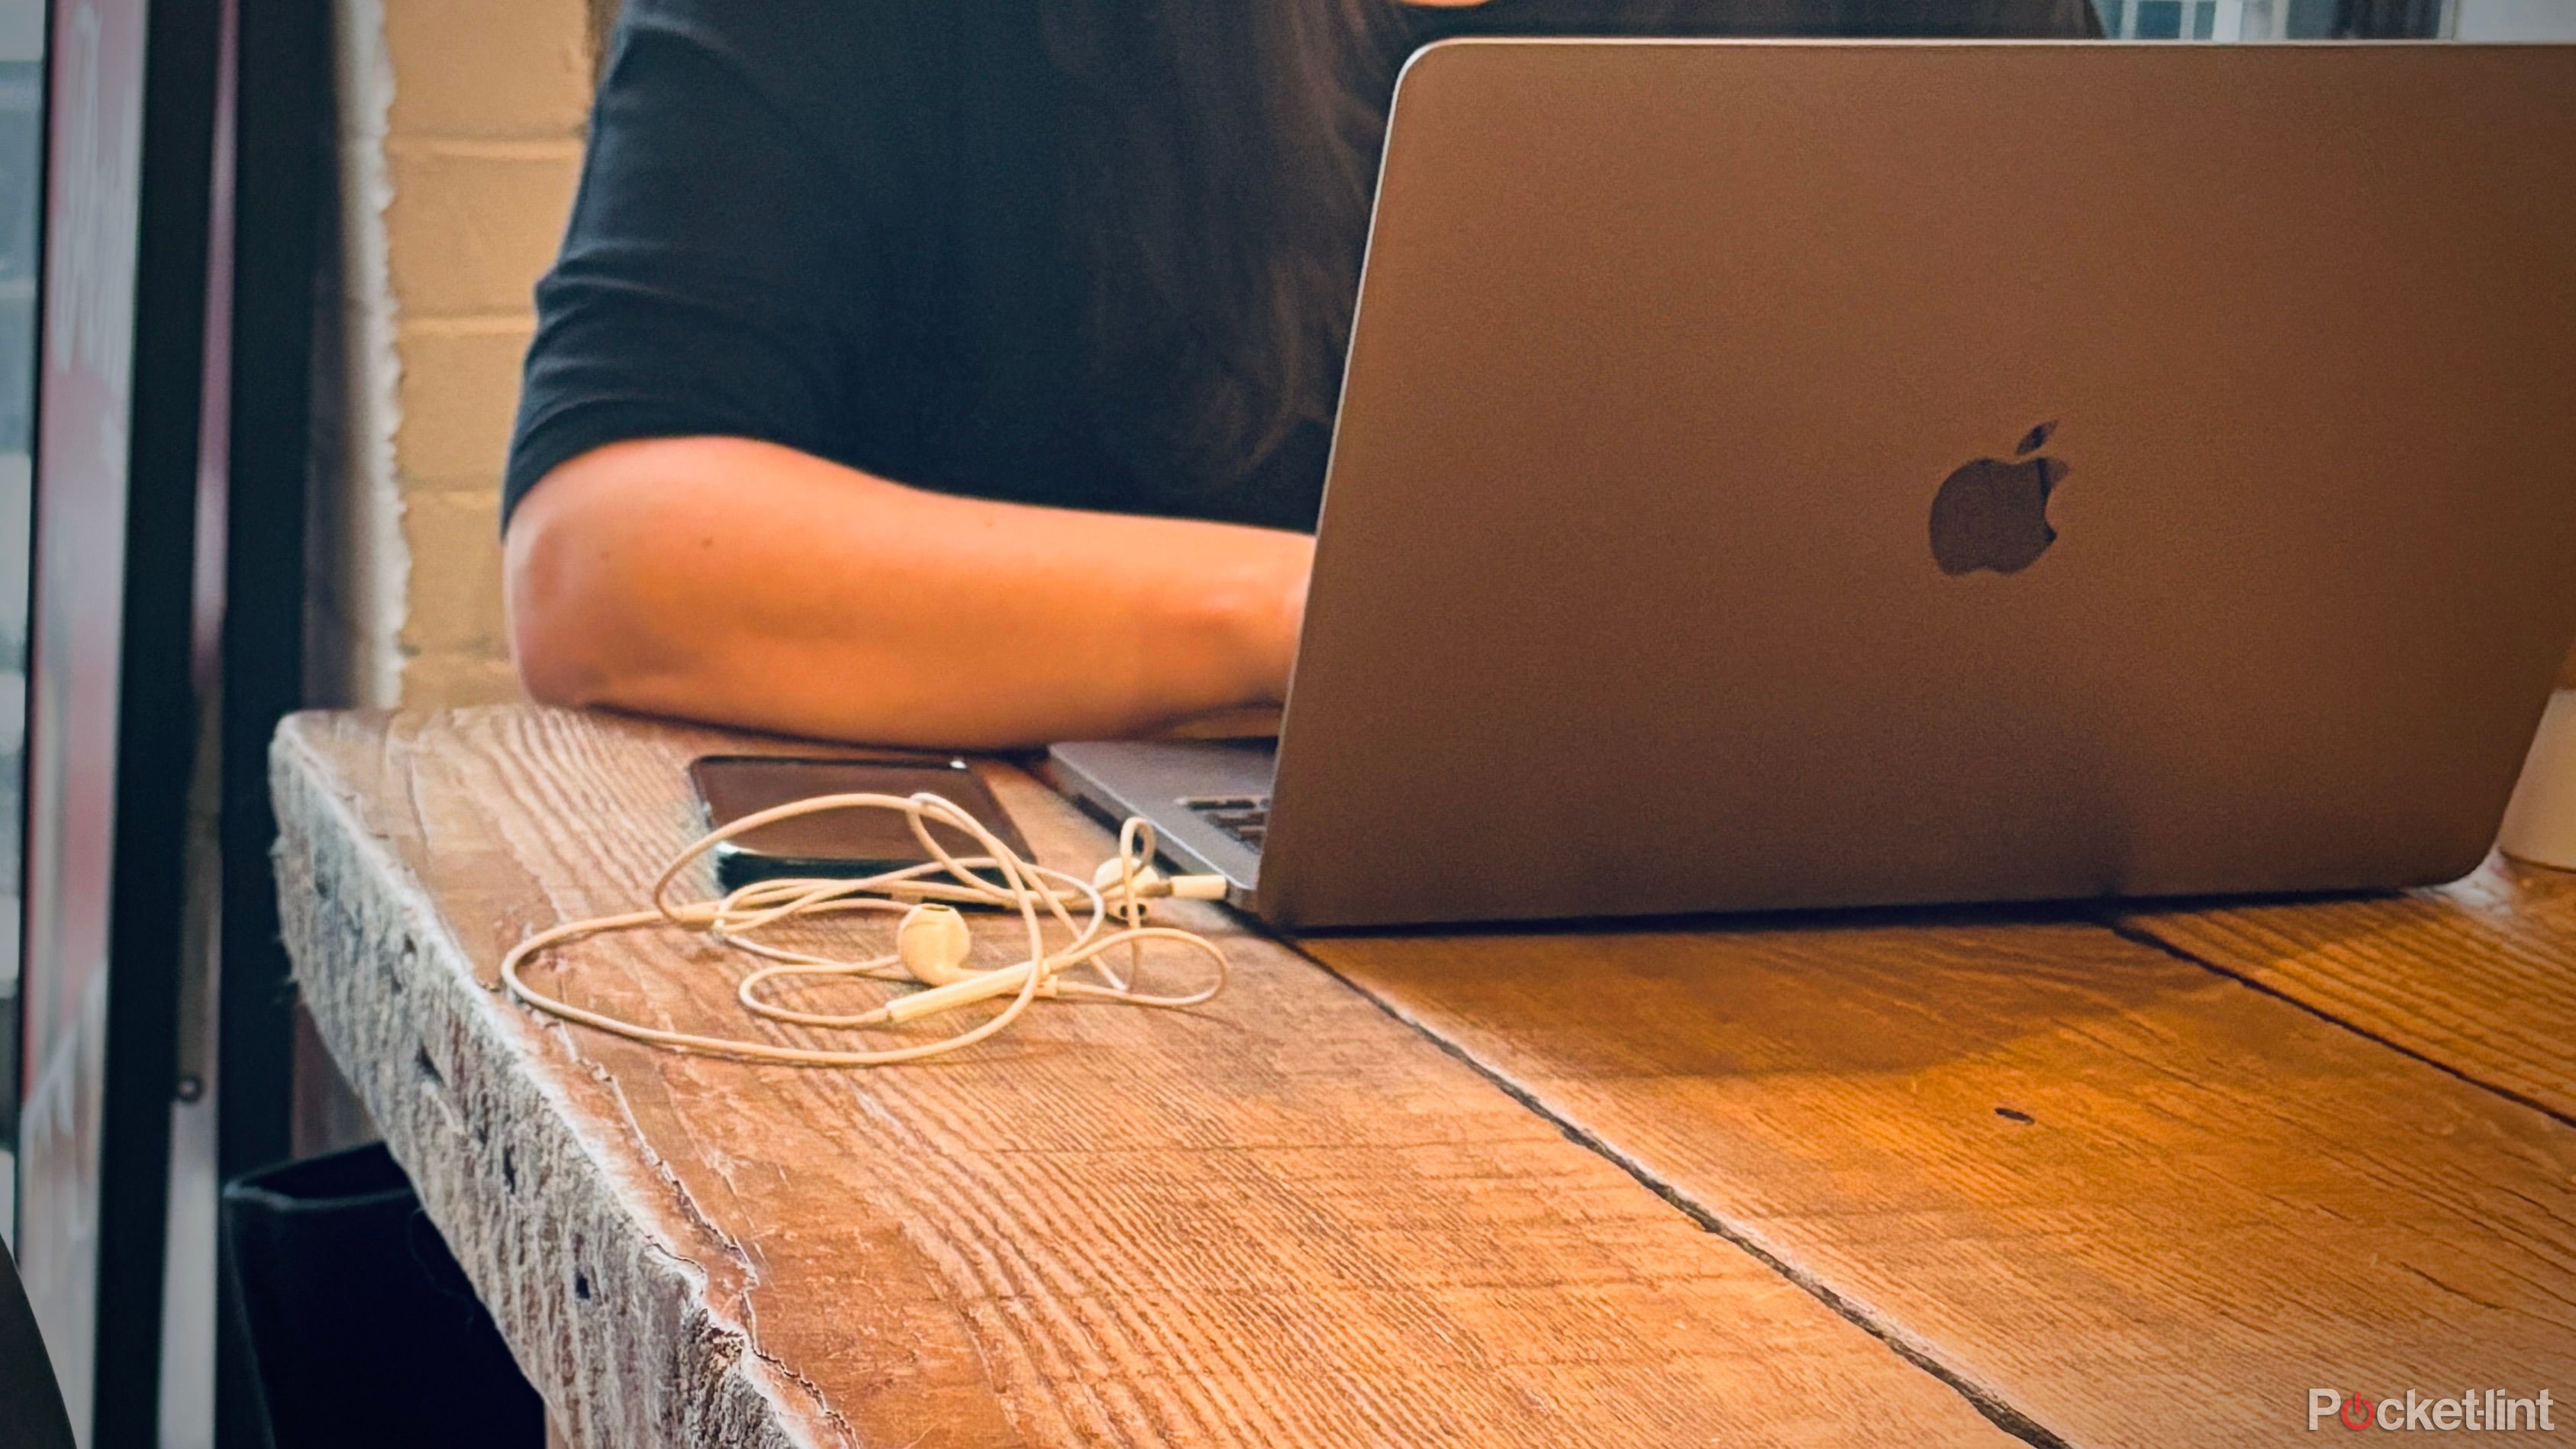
column 1991, row 514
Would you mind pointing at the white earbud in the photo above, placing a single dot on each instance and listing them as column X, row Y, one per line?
column 933, row 944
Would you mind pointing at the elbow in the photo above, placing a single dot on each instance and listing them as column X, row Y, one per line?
column 603, row 607
column 555, row 666
column 607, row 567
column 558, row 659
column 561, row 605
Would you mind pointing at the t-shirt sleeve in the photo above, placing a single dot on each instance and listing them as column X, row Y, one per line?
column 728, row 254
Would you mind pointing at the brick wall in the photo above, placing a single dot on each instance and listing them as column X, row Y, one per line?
column 460, row 143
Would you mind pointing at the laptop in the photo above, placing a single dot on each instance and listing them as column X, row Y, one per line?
column 1783, row 475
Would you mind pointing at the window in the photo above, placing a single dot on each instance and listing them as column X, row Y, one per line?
column 22, row 41
column 2164, row 19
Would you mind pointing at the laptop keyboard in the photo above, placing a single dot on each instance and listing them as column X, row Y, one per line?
column 1244, row 817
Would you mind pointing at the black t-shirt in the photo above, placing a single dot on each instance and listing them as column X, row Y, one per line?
column 835, row 225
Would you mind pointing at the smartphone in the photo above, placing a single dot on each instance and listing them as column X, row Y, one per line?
column 837, row 843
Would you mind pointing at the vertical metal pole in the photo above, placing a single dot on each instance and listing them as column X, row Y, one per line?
column 283, row 138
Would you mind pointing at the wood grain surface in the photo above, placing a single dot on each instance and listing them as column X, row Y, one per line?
column 1283, row 1219
column 2138, row 1201
column 2478, row 976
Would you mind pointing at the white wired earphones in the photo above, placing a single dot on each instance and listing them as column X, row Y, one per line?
column 932, row 942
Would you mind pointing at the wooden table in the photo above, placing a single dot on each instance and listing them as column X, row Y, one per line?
column 1947, row 1179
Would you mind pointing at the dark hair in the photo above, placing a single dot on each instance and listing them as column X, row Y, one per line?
column 1220, row 156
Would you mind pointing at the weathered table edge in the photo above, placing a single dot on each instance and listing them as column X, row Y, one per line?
column 677, row 1369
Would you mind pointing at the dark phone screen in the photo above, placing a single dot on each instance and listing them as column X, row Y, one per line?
column 839, row 842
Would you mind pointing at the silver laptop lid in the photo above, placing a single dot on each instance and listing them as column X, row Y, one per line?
column 1627, row 597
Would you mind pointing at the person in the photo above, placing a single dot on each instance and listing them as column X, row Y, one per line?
column 961, row 374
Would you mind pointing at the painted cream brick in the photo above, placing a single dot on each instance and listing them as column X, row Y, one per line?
column 488, row 67
column 471, row 226
column 460, row 388
column 460, row 135
column 455, row 574
column 448, row 681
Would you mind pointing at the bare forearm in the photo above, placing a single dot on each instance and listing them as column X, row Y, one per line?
column 747, row 584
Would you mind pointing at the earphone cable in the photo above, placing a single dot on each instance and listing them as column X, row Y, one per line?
column 1081, row 909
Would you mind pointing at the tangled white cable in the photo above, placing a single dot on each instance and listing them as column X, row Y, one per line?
column 931, row 944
